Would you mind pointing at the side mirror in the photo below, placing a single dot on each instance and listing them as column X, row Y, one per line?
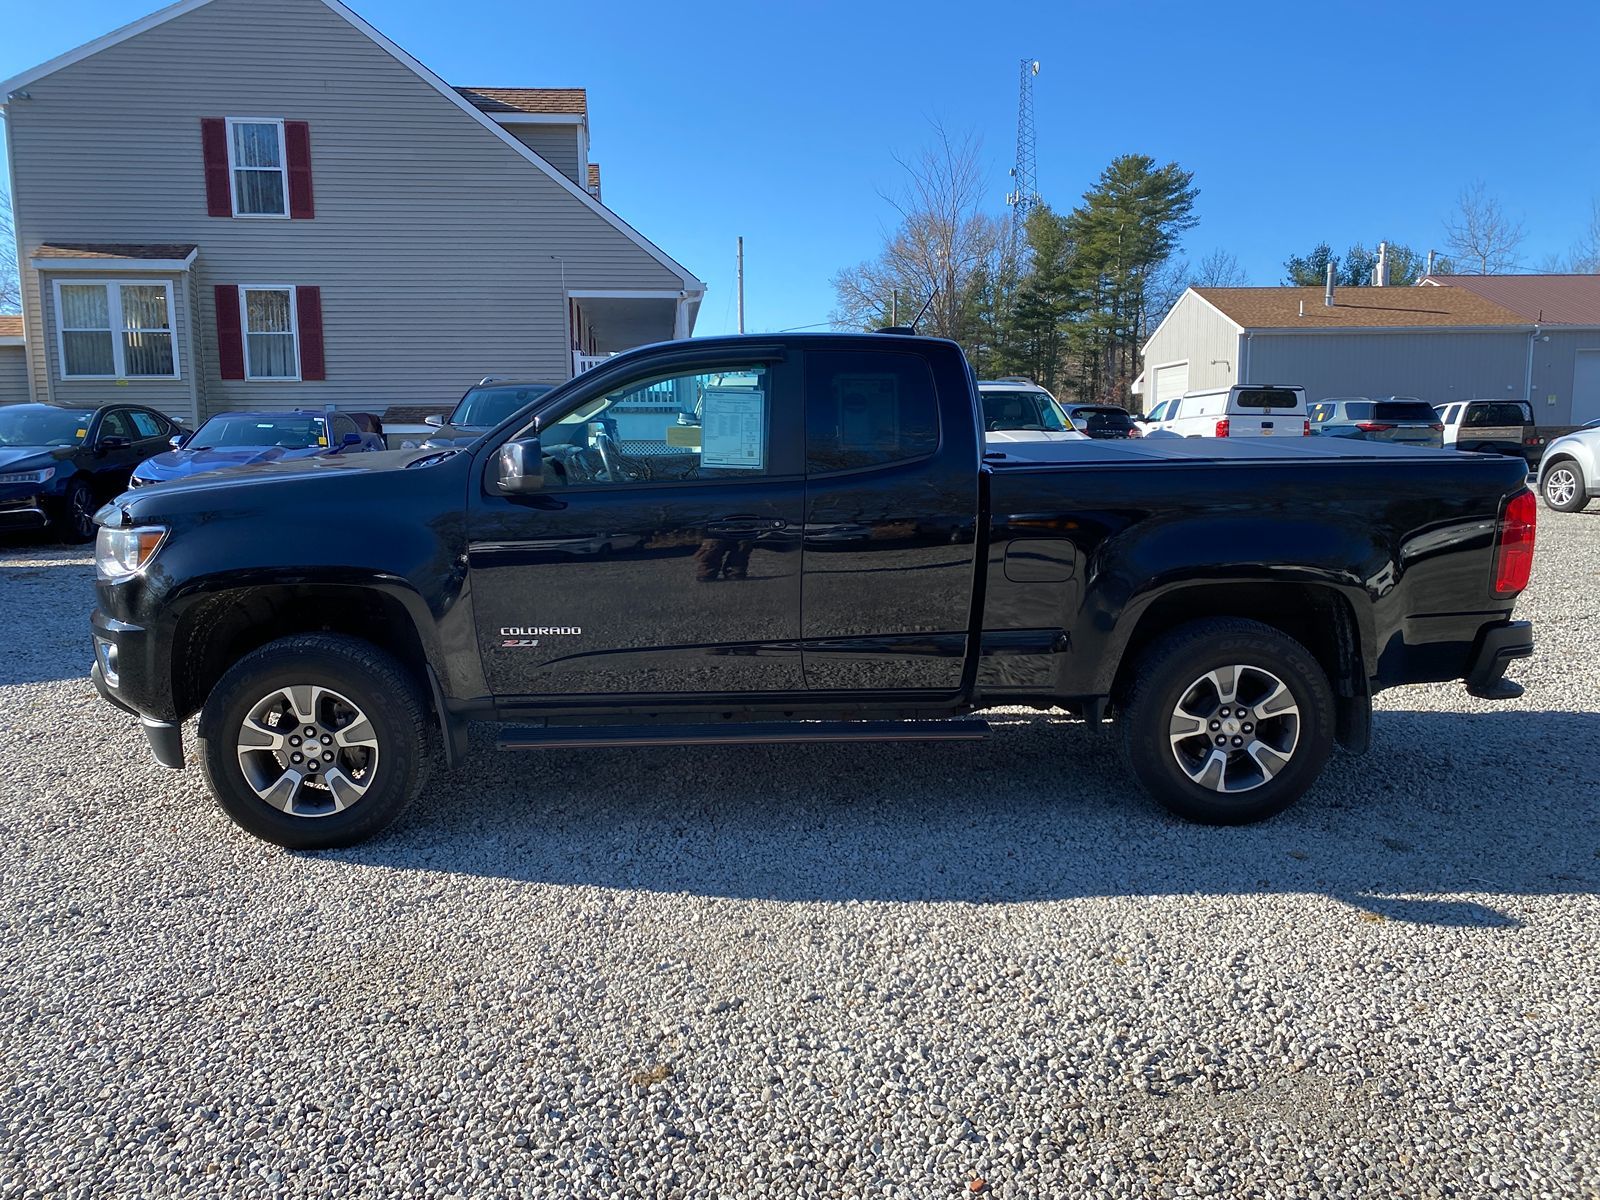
column 519, row 467
column 177, row 440
column 112, row 442
column 351, row 439
column 434, row 420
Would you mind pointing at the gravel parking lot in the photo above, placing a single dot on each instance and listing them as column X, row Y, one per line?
column 865, row 971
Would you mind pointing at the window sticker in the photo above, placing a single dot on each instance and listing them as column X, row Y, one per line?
column 733, row 427
column 81, row 433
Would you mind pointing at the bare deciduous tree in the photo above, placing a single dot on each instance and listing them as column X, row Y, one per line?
column 1585, row 256
column 10, row 280
column 942, row 244
column 1219, row 269
column 1482, row 237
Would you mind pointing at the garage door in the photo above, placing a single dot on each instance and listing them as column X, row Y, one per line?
column 1586, row 387
column 1170, row 383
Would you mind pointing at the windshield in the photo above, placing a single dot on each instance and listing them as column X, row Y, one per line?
column 1022, row 410
column 1103, row 420
column 294, row 433
column 482, row 408
column 39, row 425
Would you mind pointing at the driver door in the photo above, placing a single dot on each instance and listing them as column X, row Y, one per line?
column 662, row 557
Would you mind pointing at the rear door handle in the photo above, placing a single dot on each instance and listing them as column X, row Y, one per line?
column 743, row 525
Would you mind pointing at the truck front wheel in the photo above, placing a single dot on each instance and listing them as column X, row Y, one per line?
column 1227, row 721
column 314, row 741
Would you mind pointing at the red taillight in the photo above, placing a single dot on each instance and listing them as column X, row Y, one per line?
column 1372, row 427
column 1222, row 427
column 1305, row 428
column 1437, row 428
column 1135, row 432
column 1533, row 441
column 1513, row 557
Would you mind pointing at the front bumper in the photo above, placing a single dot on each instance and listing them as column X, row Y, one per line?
column 165, row 737
column 26, row 513
column 1498, row 645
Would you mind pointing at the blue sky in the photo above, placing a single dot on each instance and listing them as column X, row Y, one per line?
column 1344, row 121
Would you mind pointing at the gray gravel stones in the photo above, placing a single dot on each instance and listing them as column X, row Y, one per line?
column 856, row 972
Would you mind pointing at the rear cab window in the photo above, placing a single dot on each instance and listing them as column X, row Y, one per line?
column 1266, row 397
column 1404, row 410
column 868, row 408
column 1498, row 412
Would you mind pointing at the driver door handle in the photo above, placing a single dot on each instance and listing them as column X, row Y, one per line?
column 743, row 525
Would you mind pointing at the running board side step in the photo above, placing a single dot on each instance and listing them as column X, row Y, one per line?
column 746, row 734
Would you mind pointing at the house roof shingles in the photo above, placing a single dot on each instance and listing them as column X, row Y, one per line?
column 1357, row 307
column 559, row 101
column 1545, row 299
column 123, row 250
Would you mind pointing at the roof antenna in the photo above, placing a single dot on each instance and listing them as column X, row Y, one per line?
column 911, row 328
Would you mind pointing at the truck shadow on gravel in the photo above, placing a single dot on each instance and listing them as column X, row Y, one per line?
column 1450, row 818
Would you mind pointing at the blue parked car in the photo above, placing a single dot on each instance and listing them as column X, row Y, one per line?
column 238, row 439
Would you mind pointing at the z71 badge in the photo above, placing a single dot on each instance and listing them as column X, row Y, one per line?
column 516, row 637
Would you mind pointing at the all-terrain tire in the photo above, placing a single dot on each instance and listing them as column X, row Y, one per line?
column 1162, row 685
column 345, row 668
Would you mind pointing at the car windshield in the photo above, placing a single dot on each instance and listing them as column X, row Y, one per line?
column 1022, row 410
column 293, row 433
column 484, row 407
column 40, row 425
column 1102, row 420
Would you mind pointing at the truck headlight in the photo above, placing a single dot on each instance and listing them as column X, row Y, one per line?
column 121, row 552
column 42, row 475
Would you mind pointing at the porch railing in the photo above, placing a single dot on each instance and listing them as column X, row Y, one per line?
column 586, row 362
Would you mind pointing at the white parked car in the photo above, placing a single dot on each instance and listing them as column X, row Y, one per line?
column 1569, row 471
column 1492, row 427
column 1243, row 410
column 1018, row 411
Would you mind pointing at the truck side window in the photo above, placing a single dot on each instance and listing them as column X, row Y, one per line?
column 867, row 408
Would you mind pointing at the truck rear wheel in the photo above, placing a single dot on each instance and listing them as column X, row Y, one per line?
column 315, row 741
column 1227, row 721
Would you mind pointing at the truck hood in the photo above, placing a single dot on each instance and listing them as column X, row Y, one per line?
column 179, row 464
column 319, row 466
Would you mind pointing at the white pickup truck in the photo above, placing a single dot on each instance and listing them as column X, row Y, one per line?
column 1243, row 410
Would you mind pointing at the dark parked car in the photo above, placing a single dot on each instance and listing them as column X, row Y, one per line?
column 1402, row 419
column 1103, row 421
column 238, row 439
column 828, row 556
column 482, row 408
column 60, row 462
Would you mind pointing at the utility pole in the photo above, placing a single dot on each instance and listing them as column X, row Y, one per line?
column 741, row 285
column 894, row 306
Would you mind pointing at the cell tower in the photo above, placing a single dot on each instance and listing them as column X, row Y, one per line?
column 1024, row 192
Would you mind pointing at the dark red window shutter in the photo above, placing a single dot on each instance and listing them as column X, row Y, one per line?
column 297, row 143
column 214, row 152
column 230, row 335
column 308, row 307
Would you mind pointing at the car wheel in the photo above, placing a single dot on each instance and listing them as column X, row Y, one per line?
column 315, row 741
column 1563, row 487
column 1227, row 721
column 76, row 521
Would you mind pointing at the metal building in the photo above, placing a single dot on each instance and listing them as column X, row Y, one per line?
column 1453, row 338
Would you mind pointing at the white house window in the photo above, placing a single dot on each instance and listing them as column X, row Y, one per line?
column 257, row 165
column 116, row 330
column 271, row 333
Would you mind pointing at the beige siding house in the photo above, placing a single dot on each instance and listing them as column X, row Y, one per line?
column 13, row 362
column 1458, row 340
column 303, row 214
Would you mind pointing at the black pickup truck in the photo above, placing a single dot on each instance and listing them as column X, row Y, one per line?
column 796, row 539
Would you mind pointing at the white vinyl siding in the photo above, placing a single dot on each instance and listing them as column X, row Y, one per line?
column 115, row 329
column 258, row 167
column 439, row 249
column 271, row 332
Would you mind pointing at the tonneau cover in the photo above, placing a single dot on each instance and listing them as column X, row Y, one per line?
column 1214, row 450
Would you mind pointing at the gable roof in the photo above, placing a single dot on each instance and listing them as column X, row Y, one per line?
column 1356, row 308
column 691, row 282
column 572, row 101
column 1545, row 299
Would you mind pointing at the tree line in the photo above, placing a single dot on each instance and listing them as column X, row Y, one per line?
column 1068, row 297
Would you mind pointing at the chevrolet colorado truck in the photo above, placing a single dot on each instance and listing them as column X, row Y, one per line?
column 795, row 539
